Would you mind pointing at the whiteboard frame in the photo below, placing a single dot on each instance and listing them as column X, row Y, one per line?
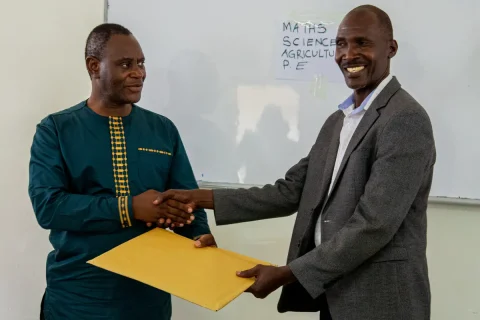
column 105, row 11
column 431, row 200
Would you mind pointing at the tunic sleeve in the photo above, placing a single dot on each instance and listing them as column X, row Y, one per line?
column 182, row 177
column 55, row 208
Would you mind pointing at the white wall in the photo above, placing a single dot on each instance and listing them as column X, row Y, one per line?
column 43, row 71
column 454, row 259
column 41, row 54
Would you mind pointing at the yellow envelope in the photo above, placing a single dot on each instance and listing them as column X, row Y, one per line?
column 170, row 262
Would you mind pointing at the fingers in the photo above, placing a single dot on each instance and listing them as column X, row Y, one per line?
column 168, row 223
column 172, row 215
column 158, row 200
column 163, row 196
column 206, row 240
column 176, row 219
column 177, row 195
column 177, row 210
column 250, row 273
column 174, row 225
column 256, row 290
column 165, row 223
column 180, row 209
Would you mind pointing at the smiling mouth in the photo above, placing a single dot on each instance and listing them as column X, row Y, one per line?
column 355, row 69
column 135, row 88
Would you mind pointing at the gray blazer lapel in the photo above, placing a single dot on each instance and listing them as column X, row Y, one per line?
column 330, row 161
column 367, row 121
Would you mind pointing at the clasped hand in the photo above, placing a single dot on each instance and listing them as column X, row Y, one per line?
column 165, row 211
column 152, row 208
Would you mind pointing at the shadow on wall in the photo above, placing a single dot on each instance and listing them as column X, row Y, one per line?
column 267, row 132
column 255, row 129
column 266, row 145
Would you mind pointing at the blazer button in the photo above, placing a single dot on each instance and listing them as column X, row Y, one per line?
column 299, row 243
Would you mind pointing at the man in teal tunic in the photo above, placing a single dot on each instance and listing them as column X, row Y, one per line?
column 95, row 171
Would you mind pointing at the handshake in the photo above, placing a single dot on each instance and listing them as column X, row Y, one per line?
column 172, row 208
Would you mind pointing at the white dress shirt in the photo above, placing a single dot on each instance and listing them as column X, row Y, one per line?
column 353, row 116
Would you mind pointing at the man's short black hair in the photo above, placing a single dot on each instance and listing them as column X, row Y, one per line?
column 382, row 16
column 99, row 36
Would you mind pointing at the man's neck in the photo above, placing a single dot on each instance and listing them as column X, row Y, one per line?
column 108, row 108
column 360, row 95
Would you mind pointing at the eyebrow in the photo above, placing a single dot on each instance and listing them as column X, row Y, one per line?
column 129, row 59
column 363, row 38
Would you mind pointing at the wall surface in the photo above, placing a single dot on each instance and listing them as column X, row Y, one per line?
column 42, row 71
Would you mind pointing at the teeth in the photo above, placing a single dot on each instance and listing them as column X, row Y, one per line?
column 356, row 69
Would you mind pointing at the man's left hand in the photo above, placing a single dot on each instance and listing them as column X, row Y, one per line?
column 206, row 240
column 268, row 279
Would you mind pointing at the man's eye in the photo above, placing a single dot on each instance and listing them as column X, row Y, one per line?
column 125, row 65
column 141, row 64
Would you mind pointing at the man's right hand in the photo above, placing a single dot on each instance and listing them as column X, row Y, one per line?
column 144, row 209
column 186, row 200
column 183, row 201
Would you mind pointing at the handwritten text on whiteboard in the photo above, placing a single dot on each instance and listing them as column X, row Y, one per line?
column 305, row 51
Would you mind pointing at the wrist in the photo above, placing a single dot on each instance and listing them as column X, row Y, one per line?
column 287, row 275
column 203, row 198
column 133, row 205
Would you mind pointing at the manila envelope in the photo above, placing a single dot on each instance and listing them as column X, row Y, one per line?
column 169, row 262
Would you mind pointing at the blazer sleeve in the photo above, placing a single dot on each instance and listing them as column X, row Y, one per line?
column 271, row 201
column 405, row 152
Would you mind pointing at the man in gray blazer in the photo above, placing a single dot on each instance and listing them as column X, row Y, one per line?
column 358, row 249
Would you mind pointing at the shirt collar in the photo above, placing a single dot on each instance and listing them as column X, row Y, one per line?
column 348, row 105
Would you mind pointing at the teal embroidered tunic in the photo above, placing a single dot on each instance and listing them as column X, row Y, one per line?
column 84, row 170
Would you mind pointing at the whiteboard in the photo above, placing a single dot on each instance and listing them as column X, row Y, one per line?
column 212, row 68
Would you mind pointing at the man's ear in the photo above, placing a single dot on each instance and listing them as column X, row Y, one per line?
column 393, row 49
column 93, row 67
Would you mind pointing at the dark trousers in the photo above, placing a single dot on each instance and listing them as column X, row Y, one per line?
column 42, row 316
column 324, row 311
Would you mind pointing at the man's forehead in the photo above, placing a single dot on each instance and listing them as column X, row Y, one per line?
column 120, row 46
column 357, row 27
column 359, row 20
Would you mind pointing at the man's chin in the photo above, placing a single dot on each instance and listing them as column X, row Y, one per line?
column 355, row 84
column 133, row 98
